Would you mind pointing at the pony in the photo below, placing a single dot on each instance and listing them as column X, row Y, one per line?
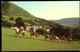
column 18, row 31
column 33, row 33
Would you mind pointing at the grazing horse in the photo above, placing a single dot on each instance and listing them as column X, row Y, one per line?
column 19, row 31
column 33, row 33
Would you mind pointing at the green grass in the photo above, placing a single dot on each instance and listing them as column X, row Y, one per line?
column 11, row 43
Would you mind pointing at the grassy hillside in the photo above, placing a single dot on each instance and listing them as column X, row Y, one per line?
column 72, row 22
column 16, row 11
column 11, row 43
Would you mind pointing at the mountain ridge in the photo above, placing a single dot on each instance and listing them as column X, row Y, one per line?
column 68, row 21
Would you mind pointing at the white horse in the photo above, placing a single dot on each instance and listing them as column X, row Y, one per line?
column 23, row 32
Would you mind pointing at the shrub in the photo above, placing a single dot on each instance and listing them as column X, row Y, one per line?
column 40, row 31
column 3, row 18
column 76, row 33
column 7, row 24
column 11, row 18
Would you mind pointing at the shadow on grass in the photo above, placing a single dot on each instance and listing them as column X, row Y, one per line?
column 40, row 39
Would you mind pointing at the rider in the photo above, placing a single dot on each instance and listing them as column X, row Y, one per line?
column 21, row 29
column 32, row 31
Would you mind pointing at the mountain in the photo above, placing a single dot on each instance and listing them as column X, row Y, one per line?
column 15, row 11
column 71, row 22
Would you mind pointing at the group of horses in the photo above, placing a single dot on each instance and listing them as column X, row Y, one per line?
column 62, row 38
column 51, row 37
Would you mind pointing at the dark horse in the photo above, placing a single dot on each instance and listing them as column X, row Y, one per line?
column 33, row 33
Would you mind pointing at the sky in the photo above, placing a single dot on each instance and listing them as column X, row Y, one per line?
column 50, row 10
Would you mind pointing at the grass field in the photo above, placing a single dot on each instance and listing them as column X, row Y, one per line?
column 11, row 43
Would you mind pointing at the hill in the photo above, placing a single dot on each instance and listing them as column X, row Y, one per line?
column 16, row 11
column 72, row 22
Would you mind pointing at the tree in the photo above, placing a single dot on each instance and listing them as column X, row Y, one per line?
column 19, row 22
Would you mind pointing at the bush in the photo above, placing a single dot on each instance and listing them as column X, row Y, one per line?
column 11, row 18
column 3, row 18
column 60, row 30
column 76, row 33
column 7, row 24
column 40, row 31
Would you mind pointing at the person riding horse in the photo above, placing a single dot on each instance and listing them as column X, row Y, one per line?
column 22, row 30
column 33, row 33
column 19, row 30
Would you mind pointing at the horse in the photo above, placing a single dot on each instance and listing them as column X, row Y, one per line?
column 70, row 39
column 18, row 31
column 55, row 37
column 50, row 37
column 63, row 38
column 45, row 35
column 33, row 33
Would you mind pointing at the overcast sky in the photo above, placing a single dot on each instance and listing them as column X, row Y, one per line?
column 50, row 10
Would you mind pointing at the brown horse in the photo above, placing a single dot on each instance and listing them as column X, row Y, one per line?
column 63, row 38
column 46, row 36
column 33, row 33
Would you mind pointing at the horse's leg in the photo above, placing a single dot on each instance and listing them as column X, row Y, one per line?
column 23, row 35
column 61, row 41
column 31, row 36
column 72, row 41
column 67, row 41
column 57, row 40
column 36, row 36
column 39, row 35
column 45, row 38
column 16, row 34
